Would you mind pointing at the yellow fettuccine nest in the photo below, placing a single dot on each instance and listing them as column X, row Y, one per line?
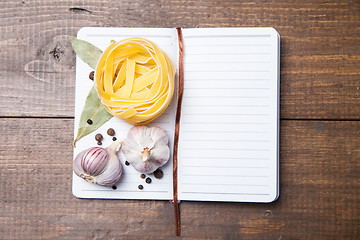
column 134, row 79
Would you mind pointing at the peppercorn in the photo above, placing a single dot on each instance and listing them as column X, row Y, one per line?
column 91, row 75
column 114, row 187
column 111, row 132
column 158, row 173
column 114, row 138
column 142, row 176
column 127, row 163
column 89, row 121
column 99, row 143
column 140, row 187
column 98, row 137
column 148, row 180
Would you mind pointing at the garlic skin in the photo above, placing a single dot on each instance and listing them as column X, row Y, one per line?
column 146, row 148
column 99, row 165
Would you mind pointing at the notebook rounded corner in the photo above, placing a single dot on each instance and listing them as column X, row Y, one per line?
column 273, row 198
column 82, row 32
column 274, row 32
column 76, row 193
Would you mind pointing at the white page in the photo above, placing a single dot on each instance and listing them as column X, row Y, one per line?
column 228, row 146
column 127, row 187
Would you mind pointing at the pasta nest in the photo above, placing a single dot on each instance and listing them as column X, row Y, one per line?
column 134, row 80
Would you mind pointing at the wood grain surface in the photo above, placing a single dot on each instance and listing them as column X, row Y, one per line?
column 320, row 50
column 319, row 198
column 320, row 112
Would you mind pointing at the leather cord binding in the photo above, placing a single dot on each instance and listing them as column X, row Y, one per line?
column 177, row 129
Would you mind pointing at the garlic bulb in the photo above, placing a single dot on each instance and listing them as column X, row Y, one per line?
column 146, row 148
column 99, row 165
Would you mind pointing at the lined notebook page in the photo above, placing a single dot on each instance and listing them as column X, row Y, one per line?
column 127, row 187
column 229, row 124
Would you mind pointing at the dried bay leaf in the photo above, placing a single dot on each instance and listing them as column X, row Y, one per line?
column 86, row 51
column 93, row 110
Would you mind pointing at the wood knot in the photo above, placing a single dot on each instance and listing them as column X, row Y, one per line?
column 268, row 214
column 53, row 57
column 56, row 52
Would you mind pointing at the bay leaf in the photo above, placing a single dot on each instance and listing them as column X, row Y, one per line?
column 86, row 51
column 93, row 110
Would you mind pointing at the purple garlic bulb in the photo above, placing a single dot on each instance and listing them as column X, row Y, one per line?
column 99, row 165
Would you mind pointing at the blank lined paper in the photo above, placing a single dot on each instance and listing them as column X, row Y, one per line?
column 229, row 124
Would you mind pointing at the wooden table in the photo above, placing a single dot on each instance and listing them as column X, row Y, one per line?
column 320, row 113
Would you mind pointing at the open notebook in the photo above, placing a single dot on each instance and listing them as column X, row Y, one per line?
column 229, row 128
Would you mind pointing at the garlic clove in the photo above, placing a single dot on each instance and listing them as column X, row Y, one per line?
column 159, row 136
column 139, row 135
column 160, row 155
column 146, row 148
column 90, row 161
column 99, row 165
column 113, row 170
column 145, row 167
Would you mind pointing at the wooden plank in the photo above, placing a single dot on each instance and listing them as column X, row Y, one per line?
column 319, row 192
column 38, row 95
column 319, row 60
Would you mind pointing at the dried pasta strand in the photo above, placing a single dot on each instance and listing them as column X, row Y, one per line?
column 129, row 80
column 120, row 78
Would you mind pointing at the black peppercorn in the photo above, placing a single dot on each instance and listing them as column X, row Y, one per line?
column 114, row 138
column 148, row 180
column 111, row 132
column 140, row 187
column 158, row 173
column 98, row 137
column 114, row 187
column 89, row 121
column 142, row 176
column 91, row 75
column 99, row 143
column 127, row 163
